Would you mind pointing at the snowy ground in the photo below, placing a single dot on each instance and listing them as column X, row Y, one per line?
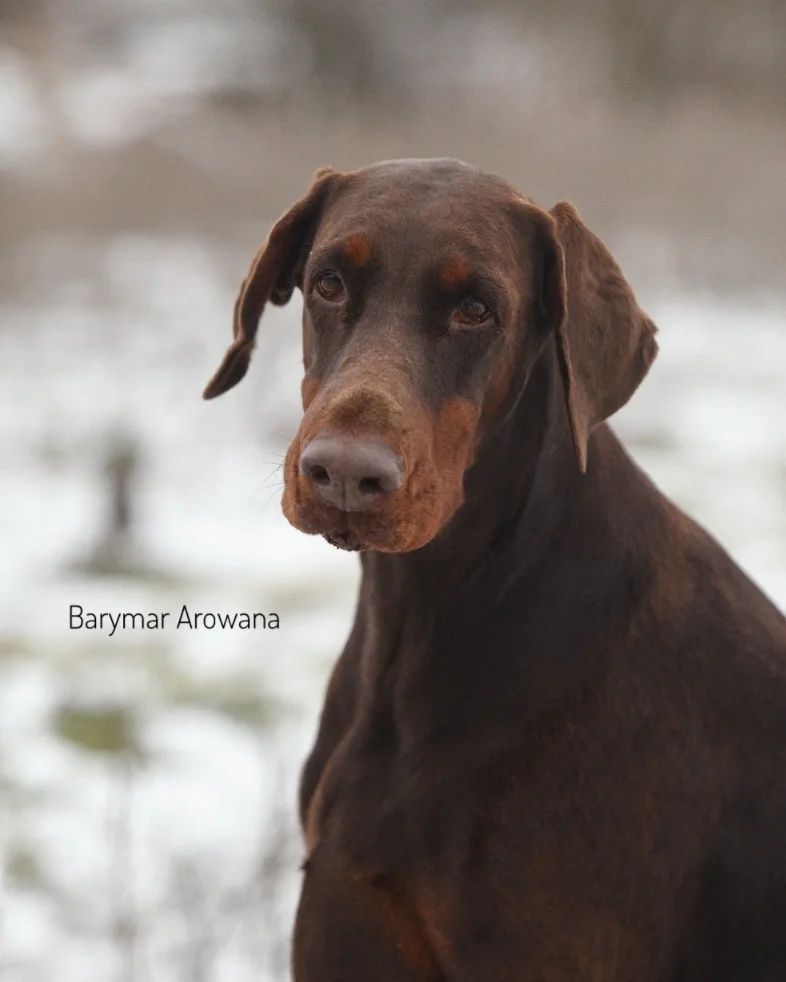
column 147, row 781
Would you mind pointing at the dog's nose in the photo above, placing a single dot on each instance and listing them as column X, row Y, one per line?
column 351, row 473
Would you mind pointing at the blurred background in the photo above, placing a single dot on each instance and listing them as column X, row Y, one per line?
column 147, row 781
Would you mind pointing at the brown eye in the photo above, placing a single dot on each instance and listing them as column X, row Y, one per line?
column 471, row 311
column 329, row 286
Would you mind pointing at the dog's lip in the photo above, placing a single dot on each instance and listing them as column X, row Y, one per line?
column 346, row 539
column 345, row 530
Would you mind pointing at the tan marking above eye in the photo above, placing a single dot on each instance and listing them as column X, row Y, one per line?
column 454, row 272
column 357, row 249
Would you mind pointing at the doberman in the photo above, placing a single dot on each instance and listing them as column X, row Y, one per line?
column 554, row 746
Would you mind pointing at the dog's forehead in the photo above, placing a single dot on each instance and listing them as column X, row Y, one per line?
column 442, row 202
column 410, row 186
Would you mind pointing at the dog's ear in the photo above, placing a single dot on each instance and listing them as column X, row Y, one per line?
column 273, row 277
column 605, row 341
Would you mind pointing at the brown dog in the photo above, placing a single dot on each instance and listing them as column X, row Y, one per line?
column 554, row 747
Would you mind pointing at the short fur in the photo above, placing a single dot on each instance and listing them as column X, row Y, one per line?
column 554, row 746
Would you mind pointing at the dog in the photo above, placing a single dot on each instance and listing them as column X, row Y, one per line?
column 554, row 746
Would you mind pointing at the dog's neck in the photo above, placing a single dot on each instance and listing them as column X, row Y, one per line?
column 470, row 617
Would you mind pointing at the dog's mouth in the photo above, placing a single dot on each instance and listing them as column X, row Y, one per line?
column 353, row 532
column 345, row 539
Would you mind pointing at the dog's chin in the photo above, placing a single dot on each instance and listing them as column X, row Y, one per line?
column 354, row 534
column 347, row 540
column 351, row 532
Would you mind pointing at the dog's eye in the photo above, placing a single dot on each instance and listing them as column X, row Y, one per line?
column 329, row 286
column 471, row 311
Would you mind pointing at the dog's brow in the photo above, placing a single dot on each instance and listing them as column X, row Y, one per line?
column 459, row 272
column 458, row 275
column 357, row 248
column 354, row 248
column 455, row 271
column 326, row 255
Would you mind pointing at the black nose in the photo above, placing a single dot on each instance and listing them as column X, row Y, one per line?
column 351, row 473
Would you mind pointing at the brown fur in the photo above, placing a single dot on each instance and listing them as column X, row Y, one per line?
column 308, row 390
column 554, row 746
column 454, row 273
column 357, row 249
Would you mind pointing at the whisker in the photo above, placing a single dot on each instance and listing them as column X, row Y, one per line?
column 272, row 473
column 276, row 487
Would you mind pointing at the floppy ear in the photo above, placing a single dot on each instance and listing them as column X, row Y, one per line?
column 272, row 276
column 605, row 341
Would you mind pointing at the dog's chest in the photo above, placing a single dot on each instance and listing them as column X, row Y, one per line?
column 420, row 847
column 373, row 834
column 370, row 812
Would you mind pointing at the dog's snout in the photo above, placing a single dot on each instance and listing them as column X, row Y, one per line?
column 351, row 473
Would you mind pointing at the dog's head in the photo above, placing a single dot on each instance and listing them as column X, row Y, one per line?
column 430, row 289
